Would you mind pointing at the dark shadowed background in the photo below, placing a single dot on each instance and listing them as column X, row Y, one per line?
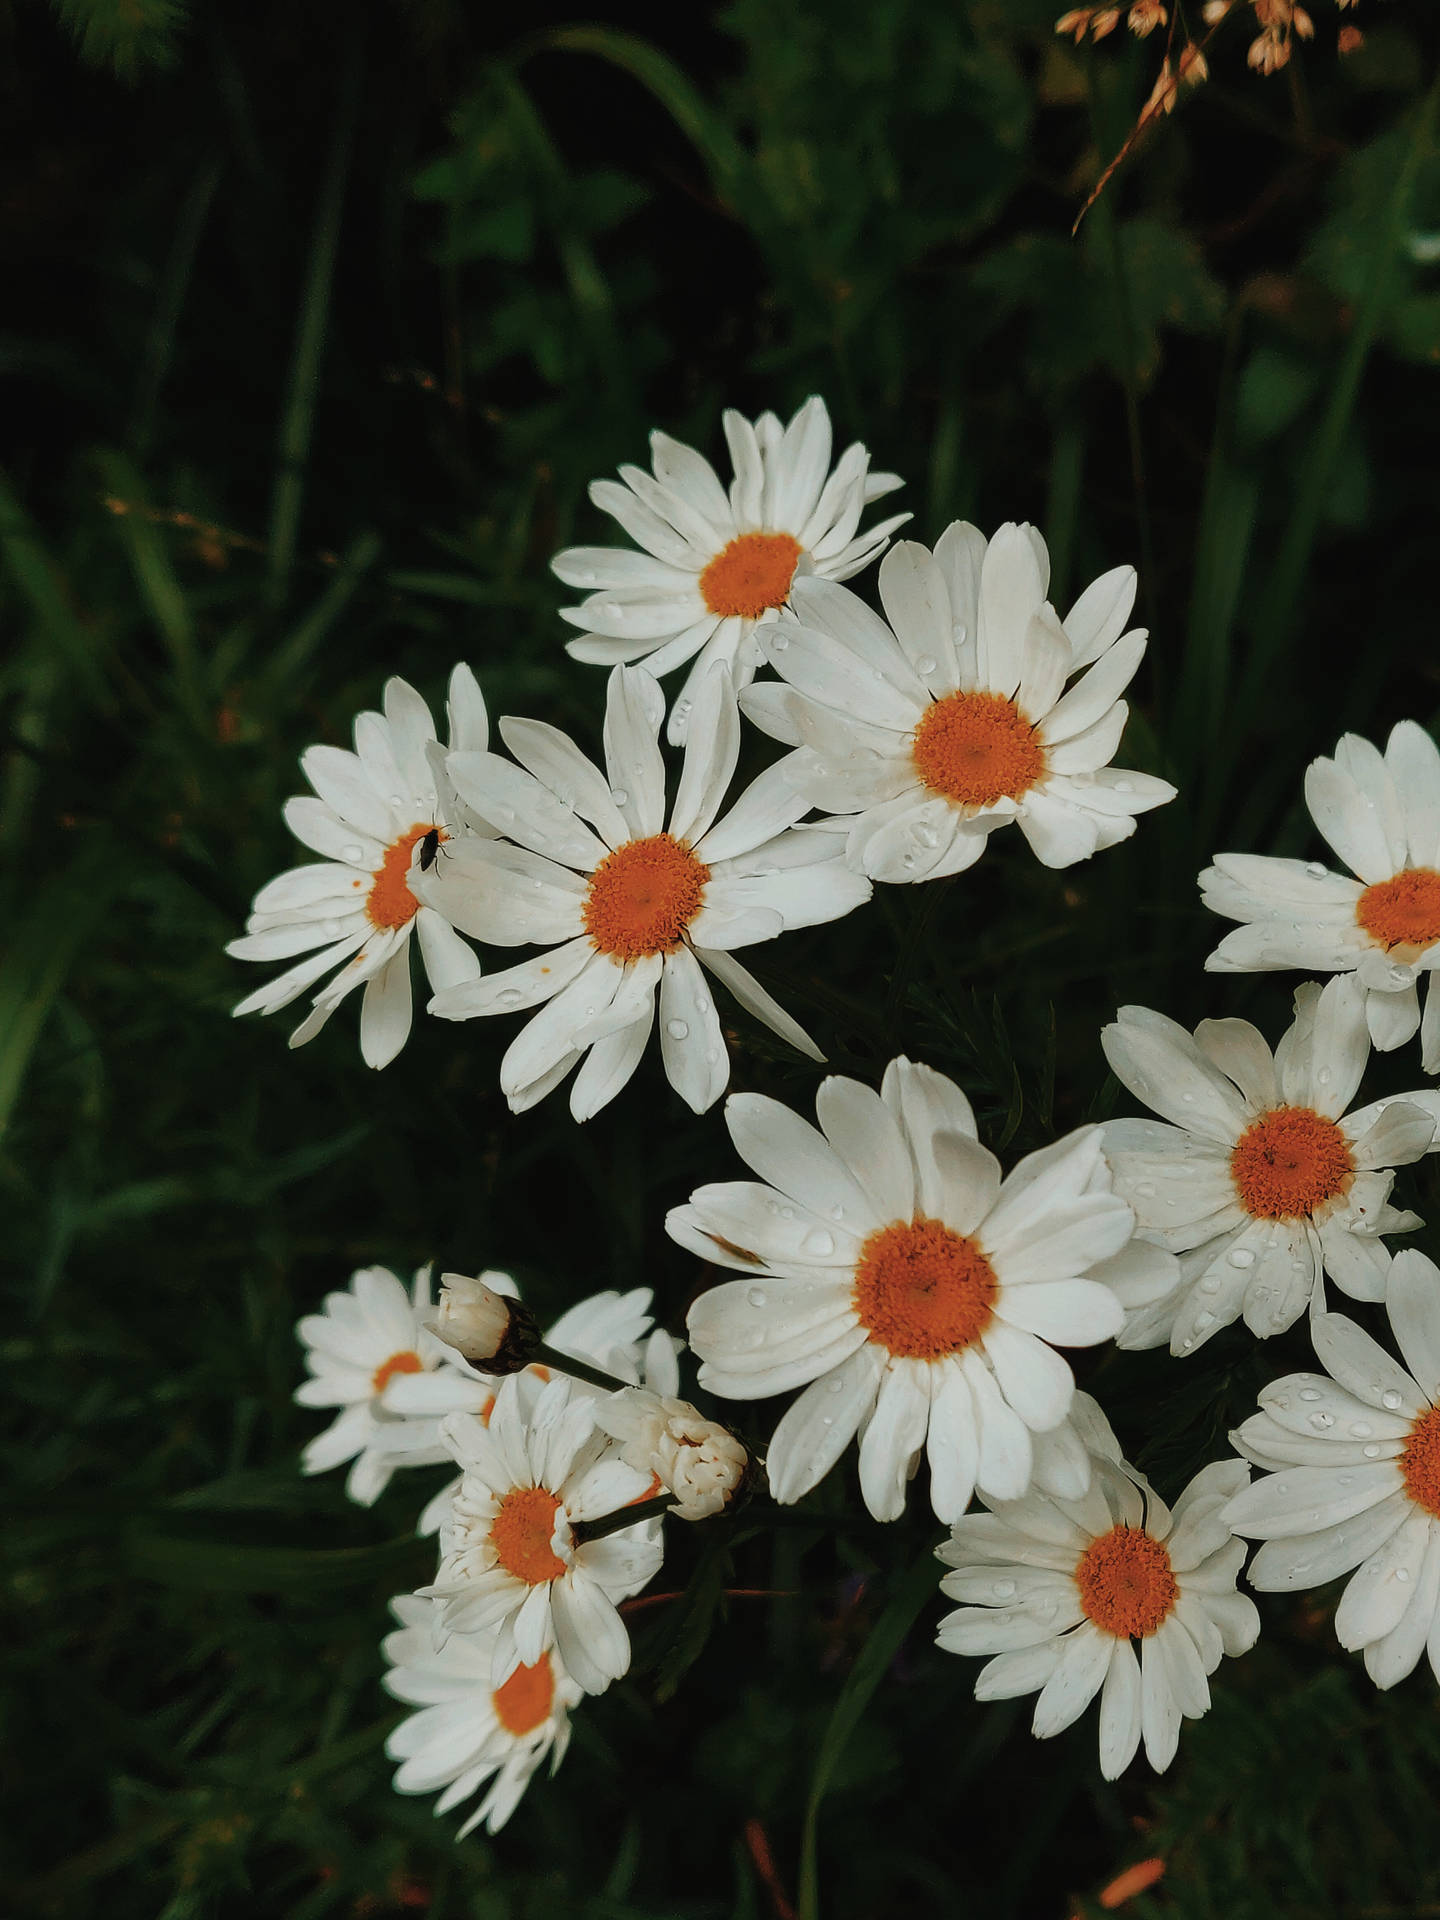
column 316, row 322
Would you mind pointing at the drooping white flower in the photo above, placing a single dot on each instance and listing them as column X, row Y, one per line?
column 715, row 562
column 626, row 906
column 1057, row 1592
column 956, row 718
column 1261, row 1182
column 1381, row 815
column 356, row 910
column 1354, row 1455
column 608, row 1329
column 365, row 1339
column 698, row 1460
column 911, row 1290
column 510, row 1558
column 468, row 1732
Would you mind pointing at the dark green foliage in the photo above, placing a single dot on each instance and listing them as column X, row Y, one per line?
column 313, row 344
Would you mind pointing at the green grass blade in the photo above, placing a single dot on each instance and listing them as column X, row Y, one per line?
column 914, row 1587
column 298, row 420
column 161, row 591
column 160, row 337
column 41, row 585
column 296, row 651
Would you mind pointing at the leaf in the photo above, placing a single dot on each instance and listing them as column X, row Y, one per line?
column 125, row 35
column 912, row 1590
column 216, row 1566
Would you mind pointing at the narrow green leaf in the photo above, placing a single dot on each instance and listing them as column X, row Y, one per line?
column 912, row 1589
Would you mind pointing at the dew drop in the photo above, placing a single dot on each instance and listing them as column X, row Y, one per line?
column 1402, row 1573
column 1145, row 1189
column 712, row 1056
column 1390, row 1399
column 836, row 1386
column 1361, row 1429
column 1320, row 1421
column 677, row 1029
column 818, row 1241
column 787, row 1213
column 353, row 854
column 1315, row 870
column 779, row 642
column 1240, row 1257
column 1124, row 786
column 510, row 996
column 756, row 1296
column 1003, row 1589
column 1372, row 1452
column 1203, row 1321
column 925, row 664
column 1309, row 1393
column 620, row 797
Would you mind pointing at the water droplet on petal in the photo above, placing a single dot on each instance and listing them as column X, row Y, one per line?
column 677, row 1029
column 353, row 854
column 1315, row 870
column 1390, row 1399
column 1361, row 1429
column 779, row 642
column 818, row 1241
column 620, row 797
column 509, row 996
column 1309, row 1393
column 1320, row 1421
column 926, row 665
column 756, row 1296
column 1240, row 1257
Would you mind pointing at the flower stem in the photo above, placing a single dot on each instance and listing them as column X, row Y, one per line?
column 586, row 1530
column 546, row 1356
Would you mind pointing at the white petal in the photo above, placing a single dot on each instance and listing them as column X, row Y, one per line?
column 1084, row 1662
column 692, row 1046
column 1120, row 1710
column 813, row 1432
column 893, row 1437
column 634, row 708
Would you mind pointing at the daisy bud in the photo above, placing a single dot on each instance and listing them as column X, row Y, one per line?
column 492, row 1333
column 1348, row 39
column 1193, row 65
column 698, row 1460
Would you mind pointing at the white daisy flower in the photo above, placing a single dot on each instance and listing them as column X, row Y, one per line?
column 1354, row 1455
column 633, row 906
column 365, row 1341
column 469, row 1732
column 697, row 1460
column 609, row 1329
column 1381, row 815
column 912, row 1292
column 956, row 719
column 1056, row 1591
column 509, row 1556
column 1262, row 1181
column 372, row 811
column 715, row 563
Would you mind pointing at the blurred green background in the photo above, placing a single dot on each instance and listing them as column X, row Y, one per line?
column 316, row 322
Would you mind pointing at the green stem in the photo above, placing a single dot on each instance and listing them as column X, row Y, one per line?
column 558, row 1362
column 655, row 1509
column 1280, row 604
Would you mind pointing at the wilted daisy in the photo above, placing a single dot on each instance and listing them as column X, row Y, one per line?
column 609, row 1329
column 1057, row 1592
column 1381, row 815
column 371, row 812
column 509, row 1555
column 910, row 1290
column 715, row 563
column 634, row 907
column 469, row 1732
column 1262, row 1181
column 1355, row 1480
column 366, row 1340
column 956, row 718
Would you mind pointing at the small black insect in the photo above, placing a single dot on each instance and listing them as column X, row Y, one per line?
column 430, row 848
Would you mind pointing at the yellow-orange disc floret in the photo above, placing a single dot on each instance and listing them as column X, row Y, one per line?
column 523, row 1530
column 751, row 576
column 1289, row 1162
column 524, row 1701
column 1420, row 1462
column 1125, row 1583
column 390, row 903
column 977, row 748
column 923, row 1290
column 1404, row 911
column 407, row 1362
column 643, row 896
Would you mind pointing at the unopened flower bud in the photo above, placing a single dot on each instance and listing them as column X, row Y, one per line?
column 492, row 1333
column 697, row 1460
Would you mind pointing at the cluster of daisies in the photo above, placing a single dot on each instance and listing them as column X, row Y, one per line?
column 913, row 1293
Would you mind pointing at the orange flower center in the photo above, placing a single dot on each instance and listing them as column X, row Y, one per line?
column 522, row 1531
column 525, row 1698
column 643, row 896
column 923, row 1291
column 977, row 748
column 1403, row 912
column 1420, row 1462
column 752, row 575
column 406, row 1362
column 1288, row 1162
column 1125, row 1582
column 390, row 903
